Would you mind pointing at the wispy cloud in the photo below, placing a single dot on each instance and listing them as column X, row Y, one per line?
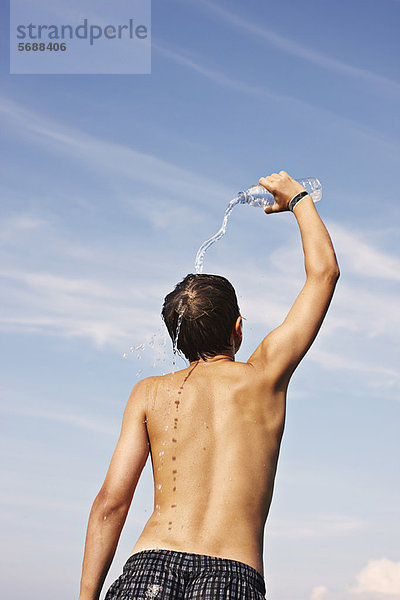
column 337, row 362
column 295, row 49
column 236, row 84
column 109, row 157
column 319, row 526
column 18, row 225
column 218, row 77
column 88, row 422
column 41, row 302
column 362, row 257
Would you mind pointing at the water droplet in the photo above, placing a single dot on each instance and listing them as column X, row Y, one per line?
column 166, row 428
column 138, row 356
column 159, row 486
column 124, row 355
column 105, row 517
column 132, row 348
column 163, row 443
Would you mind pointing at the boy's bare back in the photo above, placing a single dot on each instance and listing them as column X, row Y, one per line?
column 214, row 431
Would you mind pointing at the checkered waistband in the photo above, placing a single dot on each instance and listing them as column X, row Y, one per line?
column 189, row 563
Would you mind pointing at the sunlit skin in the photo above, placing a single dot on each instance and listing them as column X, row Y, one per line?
column 214, row 430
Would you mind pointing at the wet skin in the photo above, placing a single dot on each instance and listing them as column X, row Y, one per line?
column 214, row 432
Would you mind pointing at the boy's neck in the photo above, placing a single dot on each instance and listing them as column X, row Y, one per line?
column 214, row 359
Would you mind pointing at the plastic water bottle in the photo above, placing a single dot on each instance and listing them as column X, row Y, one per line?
column 258, row 196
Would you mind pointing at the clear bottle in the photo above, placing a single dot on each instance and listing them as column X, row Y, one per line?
column 258, row 196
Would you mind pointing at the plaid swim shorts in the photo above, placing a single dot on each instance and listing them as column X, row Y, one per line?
column 170, row 575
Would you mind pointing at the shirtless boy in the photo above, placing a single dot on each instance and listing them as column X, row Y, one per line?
column 213, row 431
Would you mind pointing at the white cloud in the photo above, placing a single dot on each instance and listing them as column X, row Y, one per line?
column 319, row 593
column 380, row 576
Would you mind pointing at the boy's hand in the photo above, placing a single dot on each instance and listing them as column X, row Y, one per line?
column 283, row 187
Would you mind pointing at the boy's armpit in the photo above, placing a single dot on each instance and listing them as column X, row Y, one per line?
column 283, row 348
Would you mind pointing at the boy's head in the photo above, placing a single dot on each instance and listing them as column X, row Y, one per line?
column 210, row 323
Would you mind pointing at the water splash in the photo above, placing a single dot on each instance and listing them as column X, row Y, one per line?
column 152, row 351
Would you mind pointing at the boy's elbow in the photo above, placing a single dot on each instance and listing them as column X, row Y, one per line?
column 334, row 269
column 337, row 272
column 329, row 272
column 109, row 501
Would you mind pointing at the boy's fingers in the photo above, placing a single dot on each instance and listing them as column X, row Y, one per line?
column 271, row 209
column 267, row 182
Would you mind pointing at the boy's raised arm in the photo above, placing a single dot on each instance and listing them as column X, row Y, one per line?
column 282, row 350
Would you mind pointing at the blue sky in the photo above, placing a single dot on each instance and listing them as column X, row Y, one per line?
column 109, row 184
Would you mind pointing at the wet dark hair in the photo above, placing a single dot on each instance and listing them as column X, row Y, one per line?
column 209, row 310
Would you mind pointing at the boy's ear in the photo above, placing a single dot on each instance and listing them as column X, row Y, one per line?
column 238, row 333
column 238, row 325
